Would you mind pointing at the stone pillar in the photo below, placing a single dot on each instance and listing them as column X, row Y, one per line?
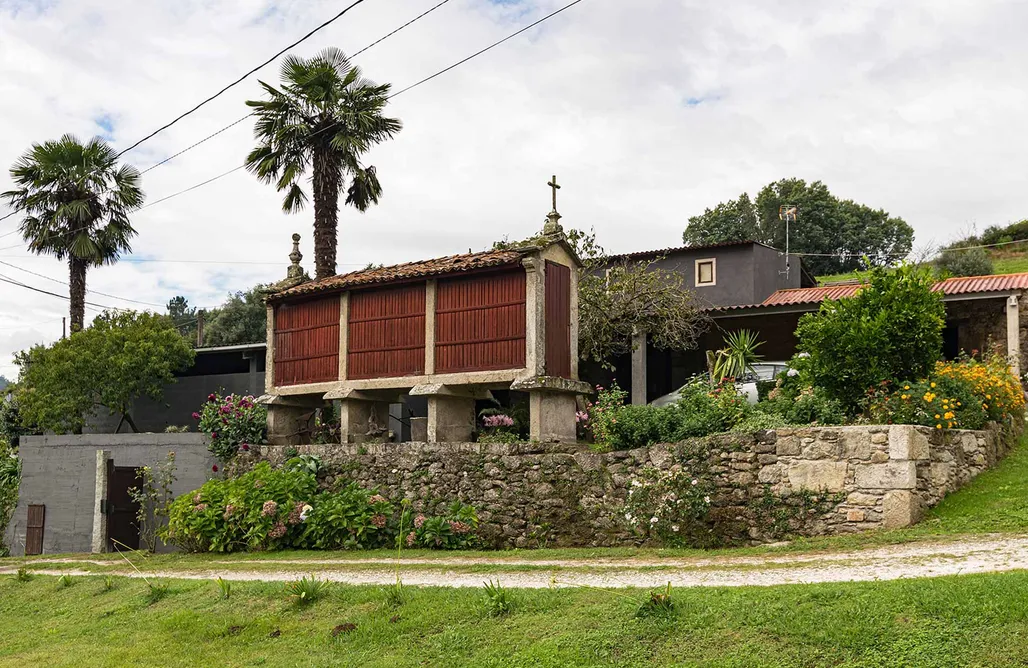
column 574, row 322
column 552, row 404
column 450, row 419
column 99, row 540
column 363, row 420
column 430, row 302
column 285, row 422
column 535, row 316
column 269, row 354
column 639, row 370
column 1014, row 334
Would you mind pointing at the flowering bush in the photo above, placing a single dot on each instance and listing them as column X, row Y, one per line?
column 233, row 423
column 453, row 531
column 268, row 509
column 965, row 394
column 672, row 505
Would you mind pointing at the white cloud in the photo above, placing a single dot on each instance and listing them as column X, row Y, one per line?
column 648, row 112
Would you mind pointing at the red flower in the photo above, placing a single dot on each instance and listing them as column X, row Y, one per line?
column 215, row 468
column 196, row 416
column 245, row 446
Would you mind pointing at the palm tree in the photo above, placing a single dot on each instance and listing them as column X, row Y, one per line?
column 76, row 201
column 325, row 117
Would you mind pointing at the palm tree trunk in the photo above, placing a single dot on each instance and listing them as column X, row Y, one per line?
column 326, row 211
column 77, row 281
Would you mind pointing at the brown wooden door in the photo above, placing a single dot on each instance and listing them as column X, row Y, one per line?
column 122, row 530
column 558, row 320
column 34, row 529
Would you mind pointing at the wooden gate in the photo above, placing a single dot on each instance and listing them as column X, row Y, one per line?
column 558, row 320
column 34, row 529
column 122, row 530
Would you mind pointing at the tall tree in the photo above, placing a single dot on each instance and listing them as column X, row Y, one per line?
column 324, row 118
column 76, row 202
column 243, row 318
column 183, row 316
column 839, row 235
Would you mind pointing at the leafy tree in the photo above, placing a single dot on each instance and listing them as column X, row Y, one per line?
column 76, row 200
column 183, row 316
column 734, row 220
column 325, row 117
column 890, row 329
column 121, row 357
column 840, row 235
column 241, row 319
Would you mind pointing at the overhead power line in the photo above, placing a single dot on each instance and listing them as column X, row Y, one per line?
column 8, row 279
column 404, row 90
column 95, row 292
column 242, row 78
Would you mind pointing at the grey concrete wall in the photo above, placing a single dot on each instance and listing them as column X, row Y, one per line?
column 180, row 400
column 769, row 273
column 60, row 473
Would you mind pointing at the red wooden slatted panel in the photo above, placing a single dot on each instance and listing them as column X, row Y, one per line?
column 558, row 320
column 307, row 341
column 387, row 332
column 34, row 529
column 480, row 322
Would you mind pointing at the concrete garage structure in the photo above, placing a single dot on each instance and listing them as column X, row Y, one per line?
column 449, row 329
column 74, row 489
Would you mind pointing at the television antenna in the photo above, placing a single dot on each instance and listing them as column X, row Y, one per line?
column 788, row 213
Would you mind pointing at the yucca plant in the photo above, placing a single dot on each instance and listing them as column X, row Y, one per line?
column 306, row 590
column 498, row 600
column 226, row 588
column 737, row 357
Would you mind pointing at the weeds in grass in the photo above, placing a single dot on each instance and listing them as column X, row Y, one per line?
column 498, row 601
column 108, row 583
column 659, row 604
column 306, row 590
column 23, row 575
column 156, row 591
column 65, row 581
column 226, row 588
column 395, row 594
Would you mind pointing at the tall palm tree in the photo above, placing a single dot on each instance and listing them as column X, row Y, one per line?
column 325, row 117
column 76, row 200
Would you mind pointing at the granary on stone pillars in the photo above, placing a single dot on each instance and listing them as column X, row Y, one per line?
column 450, row 329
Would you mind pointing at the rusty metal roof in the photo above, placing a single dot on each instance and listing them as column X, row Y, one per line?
column 452, row 264
column 950, row 286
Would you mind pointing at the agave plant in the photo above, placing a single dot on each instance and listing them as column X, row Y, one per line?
column 738, row 356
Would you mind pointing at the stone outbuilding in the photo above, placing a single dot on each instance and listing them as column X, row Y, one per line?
column 449, row 329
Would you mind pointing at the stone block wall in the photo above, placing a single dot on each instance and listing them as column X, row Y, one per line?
column 768, row 485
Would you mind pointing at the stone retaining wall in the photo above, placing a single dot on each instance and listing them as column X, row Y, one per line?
column 769, row 485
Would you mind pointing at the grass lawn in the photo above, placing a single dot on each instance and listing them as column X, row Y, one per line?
column 955, row 621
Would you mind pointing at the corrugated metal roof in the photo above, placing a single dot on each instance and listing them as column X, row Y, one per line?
column 951, row 286
column 682, row 249
column 444, row 265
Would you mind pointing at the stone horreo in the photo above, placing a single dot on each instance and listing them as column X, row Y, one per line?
column 449, row 330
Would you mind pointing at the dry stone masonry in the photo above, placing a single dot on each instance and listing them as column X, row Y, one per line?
column 768, row 485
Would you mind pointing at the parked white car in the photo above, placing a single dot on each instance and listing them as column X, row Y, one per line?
column 747, row 385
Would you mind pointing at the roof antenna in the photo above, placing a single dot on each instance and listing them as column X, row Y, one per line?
column 788, row 213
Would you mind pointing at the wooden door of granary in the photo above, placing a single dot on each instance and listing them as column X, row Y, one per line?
column 307, row 341
column 558, row 320
column 386, row 337
column 480, row 322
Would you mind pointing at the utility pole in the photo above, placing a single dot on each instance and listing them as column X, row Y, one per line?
column 788, row 213
column 199, row 328
column 64, row 327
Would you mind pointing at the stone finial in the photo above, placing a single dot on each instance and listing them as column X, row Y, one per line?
column 552, row 225
column 295, row 275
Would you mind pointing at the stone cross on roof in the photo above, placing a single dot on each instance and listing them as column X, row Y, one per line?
column 552, row 225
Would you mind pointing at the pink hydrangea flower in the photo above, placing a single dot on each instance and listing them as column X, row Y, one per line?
column 411, row 538
column 269, row 508
column 378, row 520
column 277, row 531
column 419, row 521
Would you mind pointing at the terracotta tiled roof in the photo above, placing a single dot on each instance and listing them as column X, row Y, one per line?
column 400, row 272
column 951, row 286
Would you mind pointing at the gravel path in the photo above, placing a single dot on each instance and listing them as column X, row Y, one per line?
column 985, row 555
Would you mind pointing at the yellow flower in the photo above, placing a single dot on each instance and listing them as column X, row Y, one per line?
column 937, row 416
column 906, row 387
column 933, row 384
column 938, row 426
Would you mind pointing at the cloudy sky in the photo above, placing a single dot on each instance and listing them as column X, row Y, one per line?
column 648, row 111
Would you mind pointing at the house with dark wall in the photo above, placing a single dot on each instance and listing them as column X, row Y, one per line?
column 726, row 275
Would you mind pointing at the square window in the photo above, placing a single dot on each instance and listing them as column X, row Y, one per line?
column 706, row 272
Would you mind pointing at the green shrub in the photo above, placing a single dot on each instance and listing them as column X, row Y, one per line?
column 10, row 479
column 672, row 505
column 453, row 531
column 890, row 329
column 964, row 262
column 232, row 423
column 306, row 590
column 944, row 404
column 760, row 421
column 498, row 601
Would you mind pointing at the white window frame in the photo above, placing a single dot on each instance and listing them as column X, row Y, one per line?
column 713, row 272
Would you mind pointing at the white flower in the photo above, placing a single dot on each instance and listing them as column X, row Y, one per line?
column 674, row 527
column 792, row 372
column 706, row 499
column 304, row 512
column 628, row 516
column 694, row 482
column 653, row 520
column 394, row 470
column 636, row 483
